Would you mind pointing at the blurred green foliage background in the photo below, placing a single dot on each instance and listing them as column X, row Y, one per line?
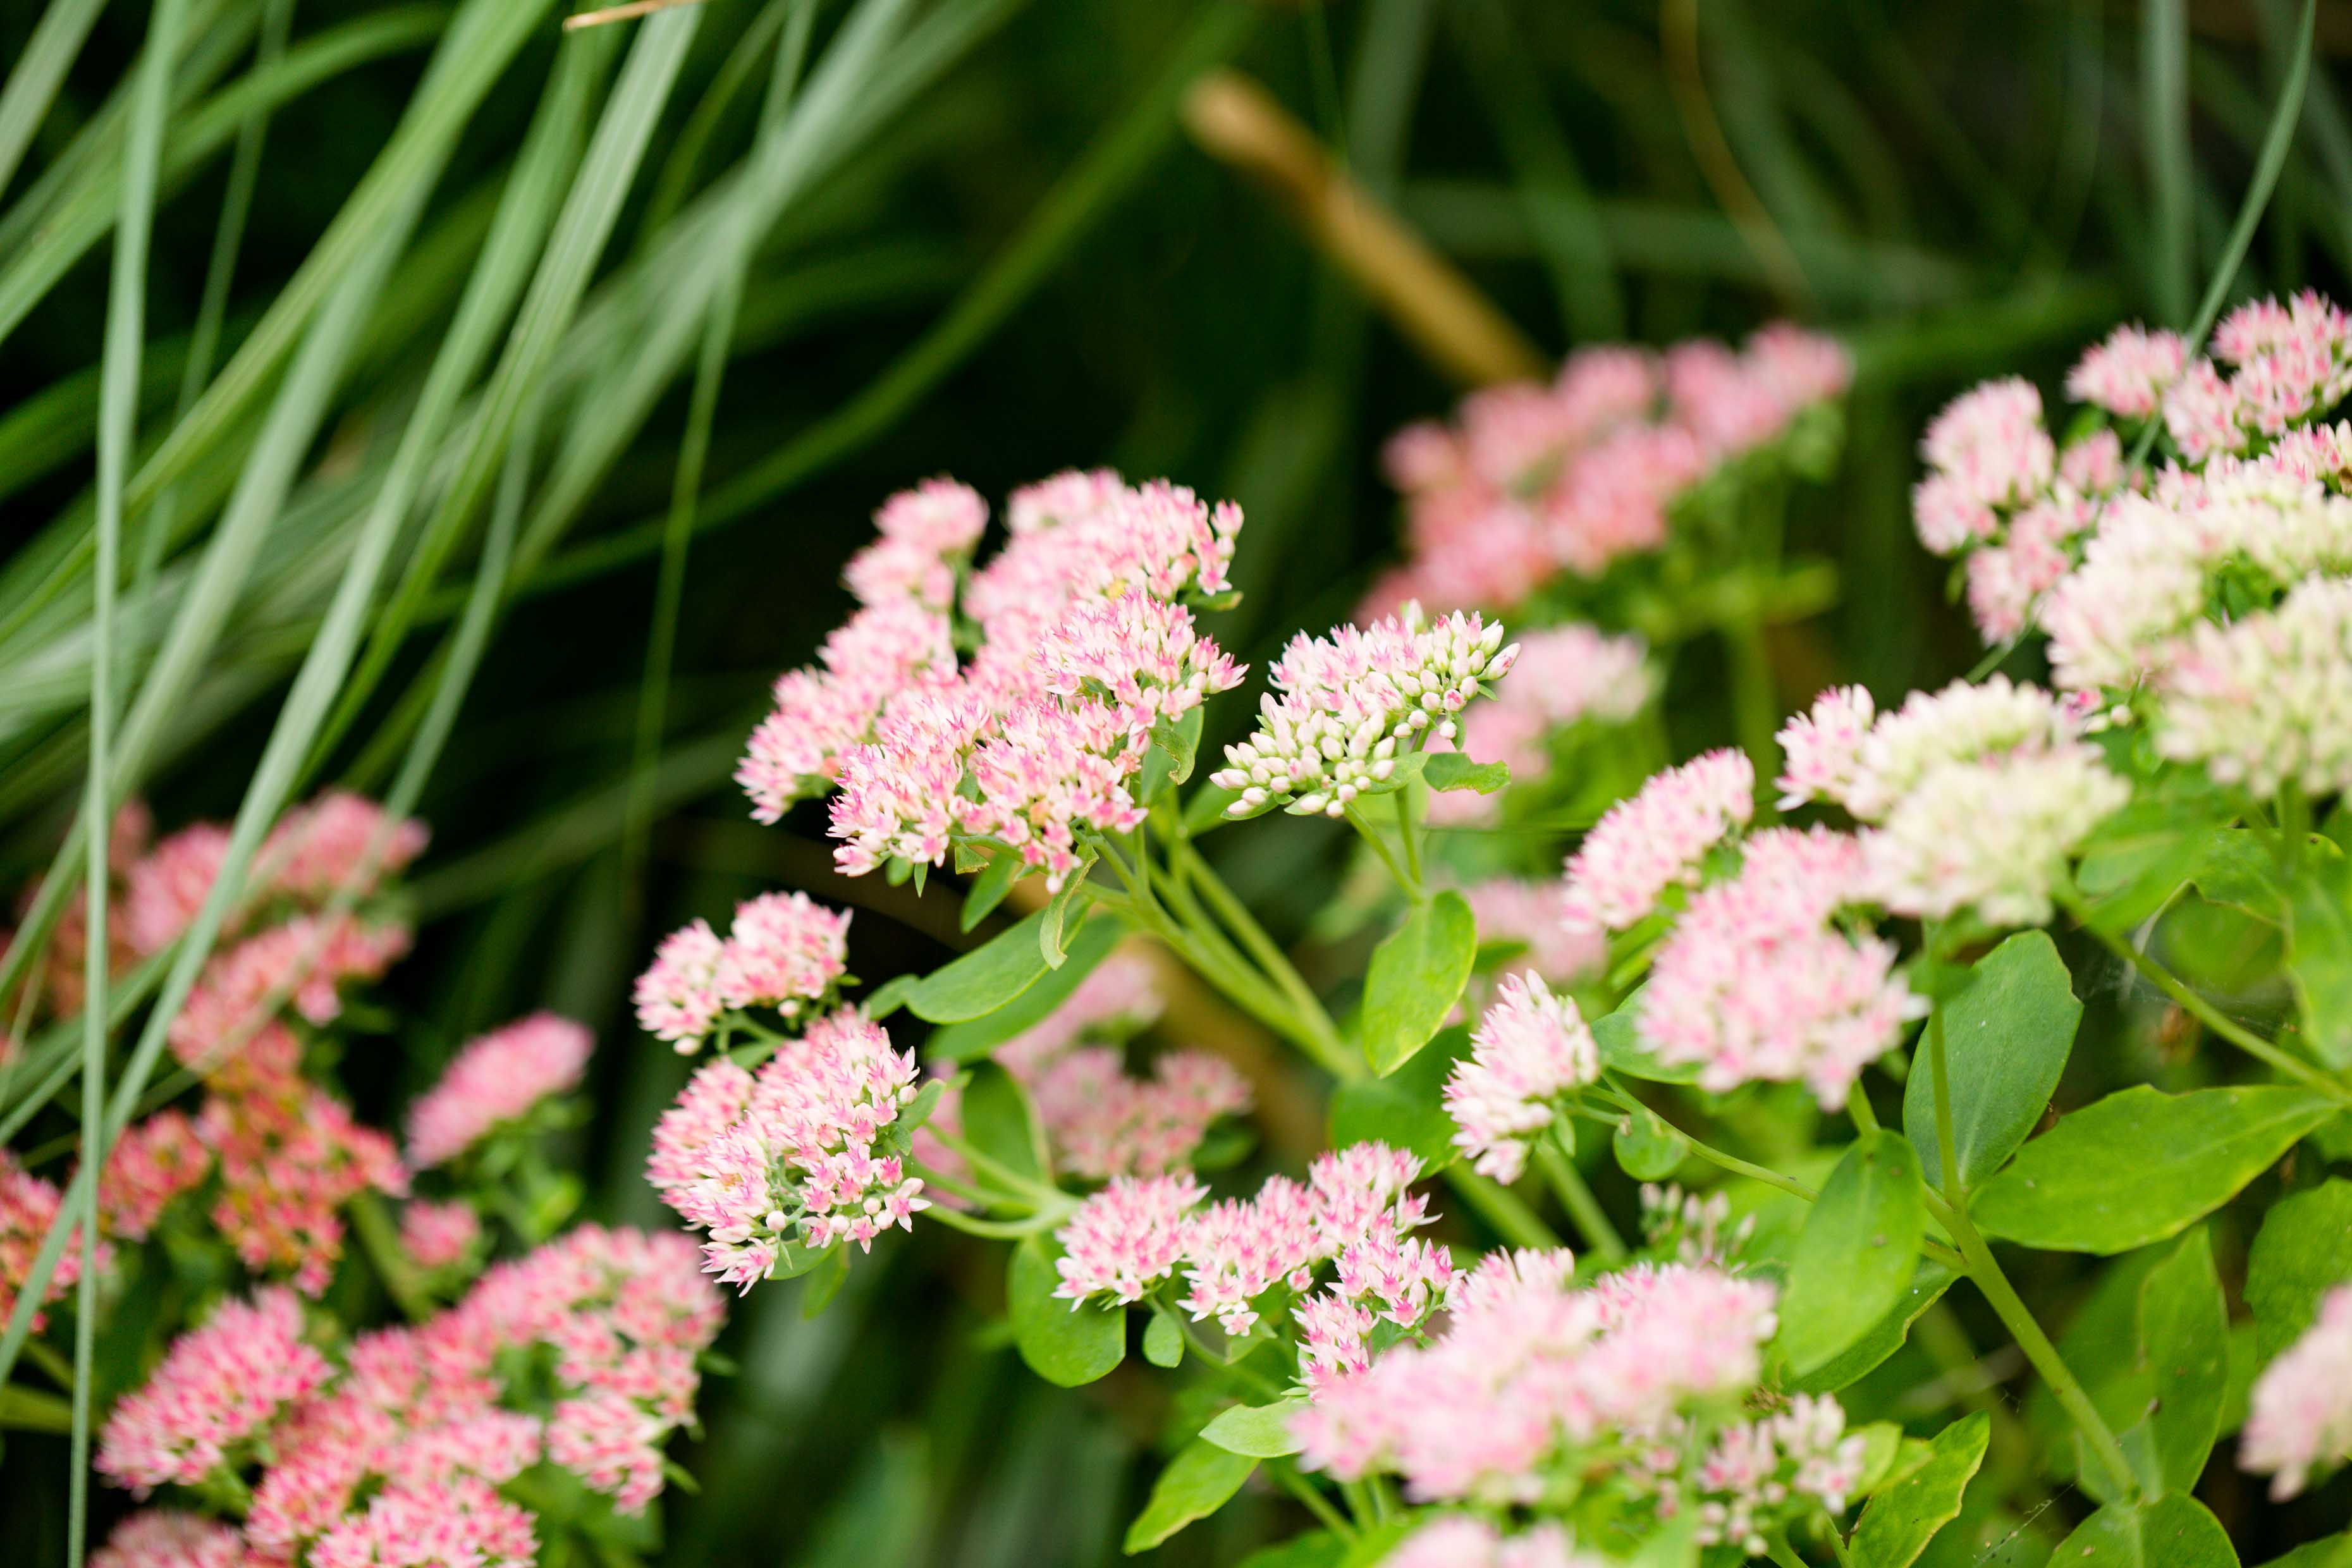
column 1004, row 259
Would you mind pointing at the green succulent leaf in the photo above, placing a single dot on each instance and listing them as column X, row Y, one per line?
column 1416, row 977
column 2006, row 1035
column 2302, row 1251
column 1065, row 1345
column 1197, row 1482
column 2066, row 1192
column 1856, row 1254
column 1902, row 1519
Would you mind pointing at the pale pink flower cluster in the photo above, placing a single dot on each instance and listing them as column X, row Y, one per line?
column 784, row 951
column 391, row 1453
column 1529, row 1049
column 2054, row 539
column 2292, row 362
column 924, row 536
column 1688, row 1228
column 1656, row 840
column 2129, row 373
column 439, row 1235
column 2301, row 1419
column 1976, row 796
column 1999, row 490
column 1764, row 1475
column 1534, row 479
column 167, row 1538
column 1532, row 1381
column 1569, row 675
column 303, row 962
column 289, row 1156
column 1757, row 981
column 151, row 1163
column 493, row 1081
column 216, row 1392
column 2267, row 700
column 337, row 844
column 801, row 1153
column 1351, row 704
column 1356, row 1208
column 2148, row 576
column 1461, row 1541
column 1085, row 645
column 28, row 1206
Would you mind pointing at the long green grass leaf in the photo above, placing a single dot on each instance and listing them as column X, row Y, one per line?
column 2164, row 129
column 83, row 219
column 33, row 83
column 126, row 337
column 220, row 271
column 2275, row 143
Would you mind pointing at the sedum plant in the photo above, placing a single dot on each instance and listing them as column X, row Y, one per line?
column 1888, row 921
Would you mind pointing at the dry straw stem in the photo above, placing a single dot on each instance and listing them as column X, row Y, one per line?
column 1236, row 120
column 628, row 13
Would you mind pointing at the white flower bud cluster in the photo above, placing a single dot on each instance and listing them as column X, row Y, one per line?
column 1351, row 703
column 2268, row 699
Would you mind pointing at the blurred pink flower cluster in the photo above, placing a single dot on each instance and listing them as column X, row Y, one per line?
column 1532, row 1381
column 1537, row 479
column 1101, row 1121
column 396, row 1442
column 1084, row 641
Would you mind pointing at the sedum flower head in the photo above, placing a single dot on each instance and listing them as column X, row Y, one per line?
column 799, row 1154
column 2267, row 700
column 219, row 1387
column 1656, row 840
column 1756, row 981
column 496, row 1080
column 2301, row 1419
column 1994, row 837
column 1351, row 704
column 1530, row 1047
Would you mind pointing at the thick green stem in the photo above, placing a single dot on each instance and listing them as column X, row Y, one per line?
column 1324, row 1043
column 1408, row 836
column 1582, row 1207
column 1288, row 1476
column 1410, row 885
column 2002, row 1297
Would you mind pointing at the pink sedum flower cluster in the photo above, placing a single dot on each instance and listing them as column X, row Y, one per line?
column 1757, row 981
column 1656, row 840
column 392, row 1449
column 1747, row 1483
column 1531, row 1049
column 1533, row 480
column 28, row 1206
column 168, row 1538
column 799, row 1155
column 1346, row 709
column 1532, row 1381
column 440, row 1236
column 1085, row 644
column 2114, row 565
column 1355, row 1210
column 1976, row 796
column 784, row 952
column 495, row 1081
column 2301, row 1419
